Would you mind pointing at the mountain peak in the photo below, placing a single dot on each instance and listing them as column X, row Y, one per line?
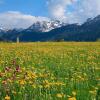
column 97, row 18
column 45, row 26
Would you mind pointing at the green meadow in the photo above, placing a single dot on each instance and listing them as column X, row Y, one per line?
column 50, row 71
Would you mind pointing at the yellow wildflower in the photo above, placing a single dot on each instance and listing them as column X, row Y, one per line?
column 72, row 98
column 59, row 95
column 74, row 93
column 22, row 82
column 7, row 97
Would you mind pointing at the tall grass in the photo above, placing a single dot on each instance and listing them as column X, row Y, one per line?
column 50, row 71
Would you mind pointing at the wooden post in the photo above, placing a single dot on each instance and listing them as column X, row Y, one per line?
column 17, row 40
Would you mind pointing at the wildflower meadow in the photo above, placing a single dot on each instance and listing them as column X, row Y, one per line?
column 50, row 71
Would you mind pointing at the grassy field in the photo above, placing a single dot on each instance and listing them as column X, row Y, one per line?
column 50, row 71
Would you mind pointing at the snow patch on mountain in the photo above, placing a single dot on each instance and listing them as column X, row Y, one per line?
column 45, row 26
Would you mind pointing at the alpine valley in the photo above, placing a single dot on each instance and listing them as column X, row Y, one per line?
column 55, row 30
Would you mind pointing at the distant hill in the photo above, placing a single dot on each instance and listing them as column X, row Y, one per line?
column 88, row 31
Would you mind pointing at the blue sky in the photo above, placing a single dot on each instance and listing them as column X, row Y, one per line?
column 33, row 7
column 23, row 13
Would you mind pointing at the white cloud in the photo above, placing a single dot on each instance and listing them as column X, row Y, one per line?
column 14, row 19
column 57, row 8
column 82, row 9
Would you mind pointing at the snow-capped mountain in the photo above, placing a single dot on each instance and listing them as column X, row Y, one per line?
column 39, row 26
column 15, row 30
column 40, row 31
column 2, row 30
column 45, row 26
